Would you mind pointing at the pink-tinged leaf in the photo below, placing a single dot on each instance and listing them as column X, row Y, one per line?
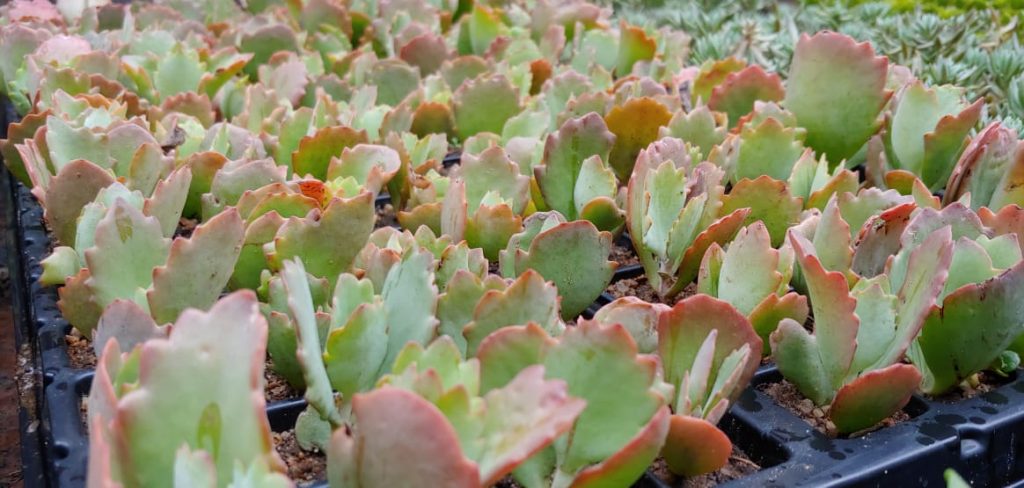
column 101, row 468
column 77, row 184
column 392, row 424
column 532, row 413
column 427, row 51
column 766, row 316
column 873, row 397
column 833, row 70
column 634, row 46
column 695, row 446
column 835, row 323
column 927, row 271
column 982, row 167
column 564, row 153
column 509, row 350
column 713, row 74
column 1008, row 220
column 879, row 239
column 127, row 324
column 736, row 94
column 77, row 303
column 859, row 207
column 832, row 239
column 975, row 324
column 640, row 318
column 203, row 386
column 17, row 133
column 683, row 329
column 197, row 268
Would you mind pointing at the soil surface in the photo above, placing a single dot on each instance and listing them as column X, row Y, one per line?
column 15, row 369
column 638, row 287
column 980, row 384
column 303, row 466
column 739, row 465
column 80, row 351
column 386, row 216
column 624, row 255
column 786, row 394
column 275, row 387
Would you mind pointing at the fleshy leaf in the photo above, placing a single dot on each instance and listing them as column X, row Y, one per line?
column 873, row 397
column 484, row 105
column 197, row 268
column 832, row 70
column 635, row 124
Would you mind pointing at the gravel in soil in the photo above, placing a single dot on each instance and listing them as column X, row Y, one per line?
column 80, row 351
column 739, row 465
column 303, row 466
column 786, row 394
column 638, row 287
column 386, row 216
column 624, row 255
column 275, row 387
column 980, row 384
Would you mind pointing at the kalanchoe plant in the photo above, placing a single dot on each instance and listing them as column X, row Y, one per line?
column 672, row 213
column 363, row 332
column 709, row 352
column 462, row 438
column 928, row 130
column 984, row 289
column 989, row 170
column 573, row 177
column 129, row 258
column 192, row 400
column 832, row 70
column 753, row 277
column 572, row 255
column 600, row 364
column 485, row 201
column 852, row 360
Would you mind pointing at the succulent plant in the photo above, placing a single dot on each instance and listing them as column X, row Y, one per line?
column 754, row 278
column 128, row 257
column 983, row 289
column 485, row 201
column 669, row 233
column 709, row 352
column 601, row 450
column 852, row 360
column 572, row 255
column 463, row 439
column 831, row 69
column 987, row 170
column 928, row 130
column 363, row 331
column 200, row 389
column 573, row 176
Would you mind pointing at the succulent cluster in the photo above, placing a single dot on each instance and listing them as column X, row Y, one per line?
column 413, row 206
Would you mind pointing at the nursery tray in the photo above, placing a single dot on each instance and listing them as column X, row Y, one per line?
column 979, row 437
